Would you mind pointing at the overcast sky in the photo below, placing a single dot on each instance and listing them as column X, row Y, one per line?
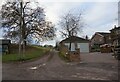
column 99, row 16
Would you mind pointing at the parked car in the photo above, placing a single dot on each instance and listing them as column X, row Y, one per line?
column 105, row 48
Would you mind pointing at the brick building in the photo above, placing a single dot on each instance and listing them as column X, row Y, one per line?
column 100, row 38
column 115, row 36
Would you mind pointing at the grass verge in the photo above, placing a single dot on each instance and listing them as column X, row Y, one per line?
column 63, row 57
column 31, row 52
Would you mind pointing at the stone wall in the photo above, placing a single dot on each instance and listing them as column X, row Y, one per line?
column 106, row 49
column 63, row 49
column 74, row 55
column 71, row 55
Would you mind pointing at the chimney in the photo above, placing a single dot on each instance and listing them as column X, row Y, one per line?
column 114, row 26
column 86, row 37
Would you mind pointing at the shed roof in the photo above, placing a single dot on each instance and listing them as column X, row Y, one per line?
column 5, row 41
column 75, row 39
column 104, row 33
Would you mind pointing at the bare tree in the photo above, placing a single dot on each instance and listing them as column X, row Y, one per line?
column 20, row 22
column 71, row 24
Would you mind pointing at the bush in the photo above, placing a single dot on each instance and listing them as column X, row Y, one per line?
column 63, row 56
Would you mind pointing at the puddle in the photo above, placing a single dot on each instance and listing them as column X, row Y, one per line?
column 74, row 76
column 33, row 68
column 36, row 67
column 44, row 64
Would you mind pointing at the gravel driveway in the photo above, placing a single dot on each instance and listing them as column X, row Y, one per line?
column 93, row 66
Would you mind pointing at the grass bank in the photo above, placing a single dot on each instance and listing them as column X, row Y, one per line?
column 63, row 57
column 31, row 52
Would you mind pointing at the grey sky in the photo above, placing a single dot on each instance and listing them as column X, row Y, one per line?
column 99, row 15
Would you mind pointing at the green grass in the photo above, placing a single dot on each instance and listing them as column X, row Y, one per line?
column 63, row 57
column 31, row 52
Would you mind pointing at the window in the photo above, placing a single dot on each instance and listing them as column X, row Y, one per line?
column 117, row 42
column 118, row 31
column 67, row 44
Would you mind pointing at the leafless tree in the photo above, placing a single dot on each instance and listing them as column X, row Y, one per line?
column 20, row 21
column 71, row 24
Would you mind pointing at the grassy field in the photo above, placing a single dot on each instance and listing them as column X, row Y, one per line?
column 31, row 52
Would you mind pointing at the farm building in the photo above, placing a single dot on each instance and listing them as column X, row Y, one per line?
column 4, row 45
column 76, row 43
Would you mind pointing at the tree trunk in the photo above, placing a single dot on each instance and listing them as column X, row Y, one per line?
column 25, row 43
column 20, row 32
column 70, row 46
column 21, row 47
column 70, row 43
column 23, row 31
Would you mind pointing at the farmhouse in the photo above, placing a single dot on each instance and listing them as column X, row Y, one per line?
column 76, row 43
column 100, row 38
column 115, row 35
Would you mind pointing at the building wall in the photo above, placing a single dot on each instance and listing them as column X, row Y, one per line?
column 115, row 35
column 5, row 45
column 108, row 39
column 97, row 39
column 84, row 47
column 72, row 46
column 67, row 45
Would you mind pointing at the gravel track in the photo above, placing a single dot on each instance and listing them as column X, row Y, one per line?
column 93, row 66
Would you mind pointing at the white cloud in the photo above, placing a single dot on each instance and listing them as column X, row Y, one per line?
column 100, row 12
column 99, row 17
column 54, row 10
column 79, row 0
column 102, row 28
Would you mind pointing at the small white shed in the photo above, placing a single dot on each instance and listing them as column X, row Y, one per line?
column 77, row 42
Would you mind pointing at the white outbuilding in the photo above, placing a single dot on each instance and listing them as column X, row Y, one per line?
column 77, row 42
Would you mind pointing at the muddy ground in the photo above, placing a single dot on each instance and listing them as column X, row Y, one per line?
column 93, row 66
